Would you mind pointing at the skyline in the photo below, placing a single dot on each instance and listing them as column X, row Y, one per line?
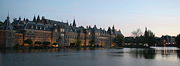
column 159, row 16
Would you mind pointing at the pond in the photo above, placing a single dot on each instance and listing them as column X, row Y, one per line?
column 156, row 56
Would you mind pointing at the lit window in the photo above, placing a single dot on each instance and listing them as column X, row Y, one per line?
column 62, row 30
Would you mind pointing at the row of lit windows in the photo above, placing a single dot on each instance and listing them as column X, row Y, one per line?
column 37, row 27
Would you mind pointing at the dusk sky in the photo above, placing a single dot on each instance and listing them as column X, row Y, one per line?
column 160, row 16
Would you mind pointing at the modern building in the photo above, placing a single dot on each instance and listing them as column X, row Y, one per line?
column 61, row 33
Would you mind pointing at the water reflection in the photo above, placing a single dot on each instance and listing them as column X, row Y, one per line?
column 178, row 53
column 143, row 53
column 3, row 51
column 90, row 57
column 154, row 53
column 29, row 50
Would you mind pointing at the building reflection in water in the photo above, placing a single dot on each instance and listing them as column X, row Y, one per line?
column 29, row 50
column 143, row 53
column 178, row 53
column 148, row 53
column 155, row 53
column 46, row 50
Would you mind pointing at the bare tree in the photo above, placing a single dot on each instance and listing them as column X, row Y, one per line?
column 137, row 33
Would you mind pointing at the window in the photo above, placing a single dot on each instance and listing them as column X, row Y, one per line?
column 61, row 30
column 55, row 30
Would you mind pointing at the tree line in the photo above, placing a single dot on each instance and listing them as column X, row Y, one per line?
column 140, row 39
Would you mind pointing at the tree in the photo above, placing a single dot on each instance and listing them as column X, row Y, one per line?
column 93, row 38
column 55, row 43
column 46, row 43
column 177, row 40
column 149, row 38
column 92, row 42
column 38, row 42
column 85, row 37
column 137, row 33
column 138, row 38
column 23, row 32
column 78, row 43
column 128, row 39
column 28, row 41
column 118, row 40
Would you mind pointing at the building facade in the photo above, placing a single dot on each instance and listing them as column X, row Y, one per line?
column 55, row 32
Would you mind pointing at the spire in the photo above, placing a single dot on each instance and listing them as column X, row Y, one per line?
column 146, row 32
column 34, row 19
column 38, row 19
column 8, row 16
column 95, row 27
column 113, row 29
column 43, row 19
column 24, row 19
column 89, row 27
column 67, row 22
column 145, row 28
column 74, row 23
column 7, row 24
column 27, row 20
column 109, row 30
column 19, row 18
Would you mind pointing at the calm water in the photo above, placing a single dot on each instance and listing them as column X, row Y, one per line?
column 158, row 56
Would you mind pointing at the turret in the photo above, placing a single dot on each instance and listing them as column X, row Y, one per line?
column 34, row 19
column 109, row 30
column 19, row 19
column 43, row 20
column 113, row 29
column 74, row 23
column 38, row 19
column 7, row 24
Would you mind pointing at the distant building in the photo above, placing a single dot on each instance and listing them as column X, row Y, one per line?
column 168, row 40
column 64, row 34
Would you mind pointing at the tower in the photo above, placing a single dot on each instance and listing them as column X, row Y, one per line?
column 7, row 36
column 38, row 19
column 7, row 24
column 43, row 20
column 113, row 30
column 34, row 19
column 146, row 32
column 74, row 23
column 19, row 19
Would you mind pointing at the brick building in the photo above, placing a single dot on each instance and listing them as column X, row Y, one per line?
column 62, row 33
